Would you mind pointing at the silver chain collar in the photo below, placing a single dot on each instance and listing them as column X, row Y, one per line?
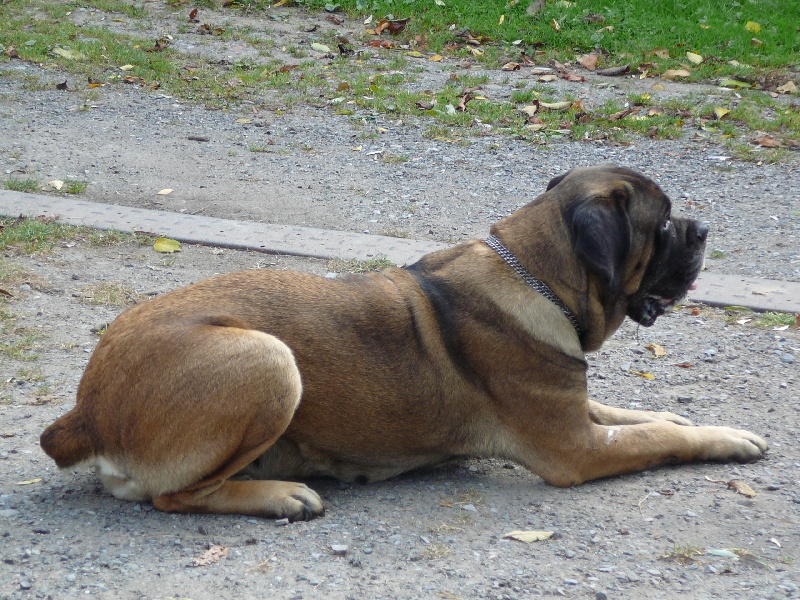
column 538, row 285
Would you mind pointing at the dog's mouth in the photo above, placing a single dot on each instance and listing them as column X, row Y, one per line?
column 653, row 307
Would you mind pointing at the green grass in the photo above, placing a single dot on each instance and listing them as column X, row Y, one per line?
column 715, row 30
column 18, row 184
column 363, row 88
column 37, row 236
column 359, row 266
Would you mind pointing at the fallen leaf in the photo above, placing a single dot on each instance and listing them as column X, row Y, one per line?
column 756, row 42
column 752, row 27
column 693, row 58
column 721, row 112
column 415, row 54
column 589, row 61
column 621, row 114
column 767, row 141
column 511, row 66
column 555, row 105
column 734, row 83
column 683, row 365
column 93, row 83
column 11, row 52
column 68, row 54
column 6, row 293
column 126, row 67
column 593, row 18
column 243, row 120
column 787, row 88
column 397, row 25
column 462, row 103
column 529, row 536
column 721, row 553
column 554, row 24
column 317, row 47
column 648, row 376
column 657, row 350
column 56, row 184
column 435, row 58
column 742, row 488
column 530, row 110
column 193, row 16
column 382, row 43
column 164, row 192
column 29, row 481
column 547, row 78
column 210, row 556
column 607, row 29
column 166, row 245
column 614, row 70
column 502, row 19
column 671, row 74
column 660, row 52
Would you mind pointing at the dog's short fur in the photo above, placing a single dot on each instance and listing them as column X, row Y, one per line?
column 278, row 375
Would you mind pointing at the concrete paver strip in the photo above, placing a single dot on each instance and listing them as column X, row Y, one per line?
column 713, row 288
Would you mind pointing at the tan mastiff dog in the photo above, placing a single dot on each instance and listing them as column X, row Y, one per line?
column 477, row 350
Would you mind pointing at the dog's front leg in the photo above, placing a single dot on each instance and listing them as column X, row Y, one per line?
column 609, row 415
column 596, row 451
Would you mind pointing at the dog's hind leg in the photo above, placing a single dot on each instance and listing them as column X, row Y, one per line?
column 174, row 412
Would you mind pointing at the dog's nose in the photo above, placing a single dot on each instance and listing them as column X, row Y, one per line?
column 702, row 232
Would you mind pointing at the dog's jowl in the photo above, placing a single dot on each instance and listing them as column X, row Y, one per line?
column 209, row 398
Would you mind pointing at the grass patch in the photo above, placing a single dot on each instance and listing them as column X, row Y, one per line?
column 18, row 184
column 339, row 265
column 684, row 555
column 775, row 319
column 75, row 186
column 39, row 236
column 111, row 294
column 716, row 254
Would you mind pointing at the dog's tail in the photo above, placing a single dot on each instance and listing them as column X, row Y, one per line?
column 68, row 441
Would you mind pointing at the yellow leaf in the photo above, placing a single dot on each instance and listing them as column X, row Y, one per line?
column 502, row 19
column 547, row 78
column 29, row 481
column 649, row 376
column 320, row 47
column 529, row 536
column 164, row 192
column 554, row 24
column 704, row 26
column 68, row 54
column 415, row 54
column 477, row 51
column 435, row 57
column 529, row 110
column 166, row 245
column 659, row 87
column 357, row 148
column 656, row 350
column 56, row 184
column 721, row 112
column 752, row 27
column 556, row 105
column 126, row 67
column 695, row 59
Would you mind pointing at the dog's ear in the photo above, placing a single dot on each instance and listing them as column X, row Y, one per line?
column 601, row 233
column 556, row 180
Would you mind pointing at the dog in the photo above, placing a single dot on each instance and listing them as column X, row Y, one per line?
column 475, row 350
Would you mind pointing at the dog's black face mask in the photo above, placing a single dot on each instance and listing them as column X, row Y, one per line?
column 680, row 246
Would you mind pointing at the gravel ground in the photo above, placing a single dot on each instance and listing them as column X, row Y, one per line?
column 436, row 534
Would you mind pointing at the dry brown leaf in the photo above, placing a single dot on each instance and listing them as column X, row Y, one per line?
column 511, row 66
column 5, row 293
column 210, row 556
column 554, row 24
column 767, row 141
column 787, row 88
column 742, row 488
column 589, row 61
column 621, row 114
column 614, row 70
column 660, row 53
column 593, row 18
column 607, row 29
column 534, row 7
column 193, row 16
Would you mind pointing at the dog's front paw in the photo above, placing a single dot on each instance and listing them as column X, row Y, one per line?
column 727, row 444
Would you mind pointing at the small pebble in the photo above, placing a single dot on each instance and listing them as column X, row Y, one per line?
column 339, row 549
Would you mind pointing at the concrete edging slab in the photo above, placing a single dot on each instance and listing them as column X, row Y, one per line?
column 713, row 288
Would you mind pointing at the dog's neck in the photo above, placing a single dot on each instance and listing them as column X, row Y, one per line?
column 537, row 284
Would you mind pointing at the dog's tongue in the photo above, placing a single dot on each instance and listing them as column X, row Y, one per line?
column 693, row 286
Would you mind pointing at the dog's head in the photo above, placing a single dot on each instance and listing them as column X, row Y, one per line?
column 623, row 231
